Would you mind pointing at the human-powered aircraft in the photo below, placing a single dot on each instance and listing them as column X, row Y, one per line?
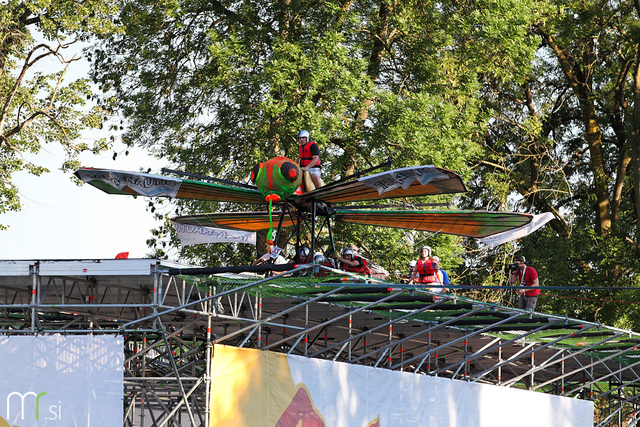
column 275, row 184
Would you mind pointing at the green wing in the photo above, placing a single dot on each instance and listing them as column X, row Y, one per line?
column 143, row 184
column 248, row 221
column 476, row 224
column 406, row 182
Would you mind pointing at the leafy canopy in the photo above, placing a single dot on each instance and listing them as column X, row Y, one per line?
column 39, row 102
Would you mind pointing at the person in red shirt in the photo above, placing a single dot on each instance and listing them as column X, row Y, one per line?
column 526, row 276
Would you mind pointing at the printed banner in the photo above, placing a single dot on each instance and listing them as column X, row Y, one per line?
column 195, row 234
column 252, row 388
column 387, row 181
column 141, row 183
column 507, row 236
column 61, row 381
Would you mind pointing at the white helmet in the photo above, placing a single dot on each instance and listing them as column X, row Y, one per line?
column 413, row 263
column 303, row 134
column 427, row 248
column 347, row 251
column 304, row 251
column 319, row 258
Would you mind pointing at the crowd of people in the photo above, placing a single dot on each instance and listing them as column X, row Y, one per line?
column 348, row 260
column 425, row 272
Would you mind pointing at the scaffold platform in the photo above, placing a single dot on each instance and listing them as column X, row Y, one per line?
column 170, row 319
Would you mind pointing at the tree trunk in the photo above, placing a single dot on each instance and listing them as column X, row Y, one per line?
column 634, row 141
column 581, row 86
column 380, row 38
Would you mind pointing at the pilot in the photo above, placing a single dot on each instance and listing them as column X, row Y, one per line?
column 309, row 157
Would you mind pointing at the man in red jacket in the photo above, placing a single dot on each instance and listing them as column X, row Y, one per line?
column 525, row 276
column 309, row 157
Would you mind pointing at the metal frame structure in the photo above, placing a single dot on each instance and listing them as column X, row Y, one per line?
column 171, row 322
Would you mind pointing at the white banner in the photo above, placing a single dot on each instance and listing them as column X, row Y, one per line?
column 353, row 395
column 142, row 183
column 194, row 234
column 61, row 381
column 387, row 181
column 507, row 236
column 253, row 388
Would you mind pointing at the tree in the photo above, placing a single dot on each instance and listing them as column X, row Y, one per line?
column 214, row 87
column 562, row 140
column 39, row 104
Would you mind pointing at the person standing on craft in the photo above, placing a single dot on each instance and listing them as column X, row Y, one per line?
column 526, row 276
column 309, row 157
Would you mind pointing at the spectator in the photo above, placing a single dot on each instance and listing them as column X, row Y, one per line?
column 406, row 278
column 526, row 276
column 443, row 277
column 425, row 269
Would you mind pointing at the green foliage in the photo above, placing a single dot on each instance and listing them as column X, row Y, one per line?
column 39, row 105
column 215, row 87
column 478, row 87
column 553, row 132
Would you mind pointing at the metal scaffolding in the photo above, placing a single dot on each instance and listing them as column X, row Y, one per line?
column 171, row 320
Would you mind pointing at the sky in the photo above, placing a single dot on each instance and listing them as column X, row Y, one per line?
column 61, row 220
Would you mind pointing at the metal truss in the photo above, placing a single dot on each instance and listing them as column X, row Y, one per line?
column 171, row 322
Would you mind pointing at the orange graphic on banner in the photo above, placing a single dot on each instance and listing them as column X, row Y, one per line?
column 4, row 423
column 253, row 388
column 374, row 423
column 301, row 412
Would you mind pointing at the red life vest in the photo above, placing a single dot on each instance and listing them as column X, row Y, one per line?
column 304, row 151
column 326, row 263
column 426, row 270
column 364, row 270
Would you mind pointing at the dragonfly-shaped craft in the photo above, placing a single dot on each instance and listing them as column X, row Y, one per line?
column 276, row 184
